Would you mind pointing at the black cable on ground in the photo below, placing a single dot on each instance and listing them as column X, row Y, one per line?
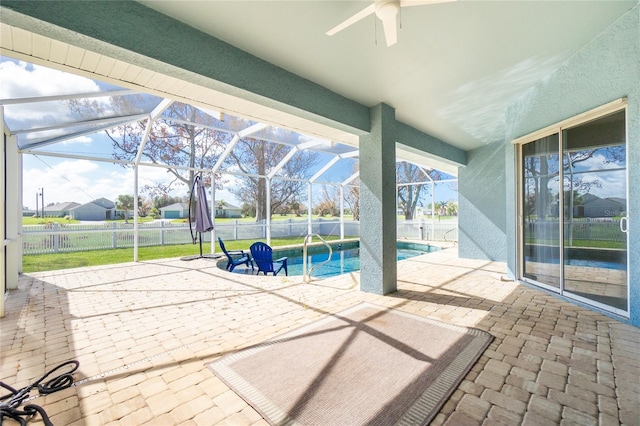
column 11, row 402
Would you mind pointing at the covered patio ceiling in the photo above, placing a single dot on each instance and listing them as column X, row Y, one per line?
column 456, row 67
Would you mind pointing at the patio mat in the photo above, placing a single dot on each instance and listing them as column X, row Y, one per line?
column 366, row 365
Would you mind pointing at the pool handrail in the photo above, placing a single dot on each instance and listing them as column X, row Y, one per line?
column 306, row 275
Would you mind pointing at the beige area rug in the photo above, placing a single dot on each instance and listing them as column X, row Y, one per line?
column 367, row 365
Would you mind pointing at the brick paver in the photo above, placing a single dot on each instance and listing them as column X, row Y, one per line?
column 144, row 332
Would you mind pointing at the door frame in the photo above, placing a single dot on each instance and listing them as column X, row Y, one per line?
column 595, row 113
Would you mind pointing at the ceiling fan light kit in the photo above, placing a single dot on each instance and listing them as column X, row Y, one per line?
column 387, row 12
column 387, row 9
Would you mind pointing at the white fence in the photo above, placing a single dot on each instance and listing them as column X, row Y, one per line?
column 59, row 238
column 591, row 229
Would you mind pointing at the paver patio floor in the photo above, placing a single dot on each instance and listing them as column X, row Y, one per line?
column 143, row 333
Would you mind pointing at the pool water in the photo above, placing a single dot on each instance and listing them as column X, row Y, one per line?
column 346, row 260
column 597, row 264
column 590, row 263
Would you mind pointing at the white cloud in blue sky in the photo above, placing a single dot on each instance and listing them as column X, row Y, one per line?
column 69, row 179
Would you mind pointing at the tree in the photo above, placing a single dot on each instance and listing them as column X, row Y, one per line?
column 352, row 198
column 295, row 207
column 125, row 202
column 452, row 208
column 352, row 194
column 184, row 136
column 541, row 168
column 328, row 205
column 409, row 196
column 256, row 159
column 145, row 205
column 248, row 210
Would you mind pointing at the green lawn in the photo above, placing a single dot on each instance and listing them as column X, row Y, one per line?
column 41, row 221
column 50, row 262
column 583, row 243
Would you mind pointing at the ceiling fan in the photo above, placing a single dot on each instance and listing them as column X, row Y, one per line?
column 386, row 11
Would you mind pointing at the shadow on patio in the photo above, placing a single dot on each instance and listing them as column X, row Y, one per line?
column 144, row 332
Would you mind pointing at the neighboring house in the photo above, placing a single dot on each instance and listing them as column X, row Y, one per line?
column 100, row 209
column 604, row 207
column 60, row 209
column 175, row 211
column 228, row 211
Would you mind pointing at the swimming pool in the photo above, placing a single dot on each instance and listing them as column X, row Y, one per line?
column 345, row 257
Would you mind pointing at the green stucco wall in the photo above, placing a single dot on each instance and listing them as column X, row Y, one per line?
column 378, row 258
column 481, row 204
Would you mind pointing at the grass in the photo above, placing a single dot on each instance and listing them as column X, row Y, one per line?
column 42, row 221
column 603, row 244
column 56, row 261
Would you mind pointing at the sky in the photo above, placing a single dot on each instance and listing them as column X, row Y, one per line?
column 81, row 181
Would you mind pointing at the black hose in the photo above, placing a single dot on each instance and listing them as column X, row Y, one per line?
column 16, row 397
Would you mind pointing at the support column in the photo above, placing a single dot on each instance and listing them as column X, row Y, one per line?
column 378, row 258
column 3, row 206
column 13, row 212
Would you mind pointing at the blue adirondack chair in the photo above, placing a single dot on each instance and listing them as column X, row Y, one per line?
column 235, row 257
column 263, row 256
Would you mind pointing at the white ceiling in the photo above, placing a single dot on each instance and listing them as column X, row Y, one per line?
column 455, row 68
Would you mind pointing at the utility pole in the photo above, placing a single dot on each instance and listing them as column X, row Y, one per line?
column 37, row 205
column 42, row 195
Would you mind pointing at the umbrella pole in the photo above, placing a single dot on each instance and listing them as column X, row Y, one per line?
column 202, row 213
column 206, row 256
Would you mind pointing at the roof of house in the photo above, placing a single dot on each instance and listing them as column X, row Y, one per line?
column 228, row 206
column 103, row 202
column 593, row 198
column 100, row 202
column 175, row 206
column 67, row 205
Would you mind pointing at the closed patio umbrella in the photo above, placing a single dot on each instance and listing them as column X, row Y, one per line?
column 203, row 221
column 203, row 216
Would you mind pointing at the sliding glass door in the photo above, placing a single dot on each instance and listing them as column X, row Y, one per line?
column 573, row 211
column 541, row 216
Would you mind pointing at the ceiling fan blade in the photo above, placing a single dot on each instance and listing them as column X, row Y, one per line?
column 390, row 31
column 352, row 20
column 407, row 3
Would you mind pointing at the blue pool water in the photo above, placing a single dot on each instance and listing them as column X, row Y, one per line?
column 597, row 264
column 345, row 259
column 591, row 263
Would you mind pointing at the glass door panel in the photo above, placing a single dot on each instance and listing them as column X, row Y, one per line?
column 595, row 188
column 541, row 214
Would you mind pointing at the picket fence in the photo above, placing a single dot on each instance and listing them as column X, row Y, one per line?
column 60, row 238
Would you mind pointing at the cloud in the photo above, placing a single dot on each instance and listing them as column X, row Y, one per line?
column 84, row 140
column 80, row 181
column 20, row 79
column 598, row 161
column 23, row 80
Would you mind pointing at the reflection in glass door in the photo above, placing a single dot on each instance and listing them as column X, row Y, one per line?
column 574, row 240
column 595, row 204
column 541, row 216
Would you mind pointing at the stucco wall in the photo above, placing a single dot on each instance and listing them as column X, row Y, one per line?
column 606, row 69
column 481, row 203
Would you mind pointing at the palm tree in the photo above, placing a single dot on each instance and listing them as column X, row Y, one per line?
column 125, row 202
column 442, row 207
